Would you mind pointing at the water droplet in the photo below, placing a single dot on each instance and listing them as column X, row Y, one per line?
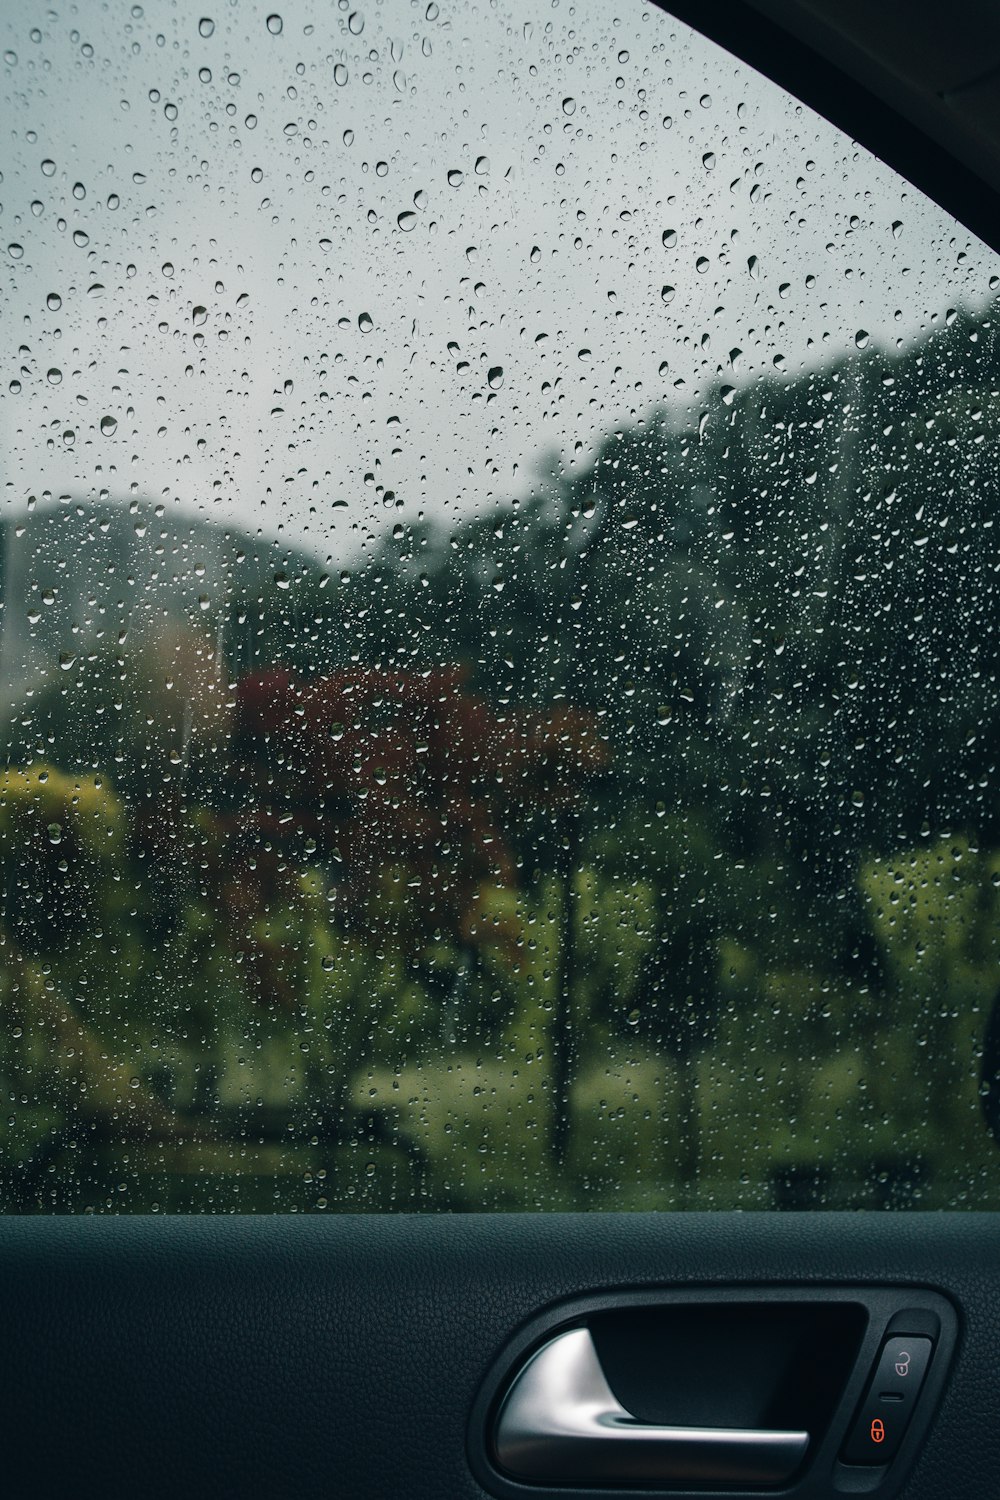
column 15, row 251
column 365, row 323
column 482, row 165
column 340, row 74
column 701, row 264
column 897, row 228
column 569, row 106
column 584, row 355
column 495, row 377
column 407, row 220
column 167, row 269
column 753, row 266
column 79, row 191
column 708, row 160
column 251, row 122
column 282, row 580
column 206, row 26
column 199, row 315
column 55, row 833
column 109, row 426
column 348, row 137
column 667, row 293
column 669, row 239
column 664, row 367
column 355, row 23
column 48, row 167
column 861, row 338
column 455, row 178
column 53, row 376
column 274, row 24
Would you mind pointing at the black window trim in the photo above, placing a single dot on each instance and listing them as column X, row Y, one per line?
column 809, row 76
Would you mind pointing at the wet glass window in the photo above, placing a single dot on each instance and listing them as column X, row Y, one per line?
column 499, row 645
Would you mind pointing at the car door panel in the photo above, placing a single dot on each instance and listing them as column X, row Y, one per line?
column 226, row 1356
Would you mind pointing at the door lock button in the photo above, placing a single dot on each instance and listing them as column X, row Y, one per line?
column 892, row 1394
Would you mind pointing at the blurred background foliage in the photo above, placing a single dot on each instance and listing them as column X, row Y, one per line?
column 635, row 844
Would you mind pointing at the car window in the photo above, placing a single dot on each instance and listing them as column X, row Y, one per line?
column 498, row 649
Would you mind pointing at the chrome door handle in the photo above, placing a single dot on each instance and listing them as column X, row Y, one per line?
column 560, row 1424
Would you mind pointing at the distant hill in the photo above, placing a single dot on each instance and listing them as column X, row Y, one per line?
column 79, row 576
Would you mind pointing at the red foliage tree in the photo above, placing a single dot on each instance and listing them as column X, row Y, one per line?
column 382, row 769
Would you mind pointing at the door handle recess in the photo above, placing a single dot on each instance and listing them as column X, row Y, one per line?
column 560, row 1424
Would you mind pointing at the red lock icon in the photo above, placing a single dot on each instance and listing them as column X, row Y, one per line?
column 877, row 1431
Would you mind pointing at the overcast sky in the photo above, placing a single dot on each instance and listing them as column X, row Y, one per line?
column 274, row 269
